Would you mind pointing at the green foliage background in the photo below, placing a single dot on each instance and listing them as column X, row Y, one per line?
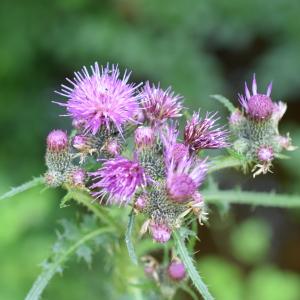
column 198, row 47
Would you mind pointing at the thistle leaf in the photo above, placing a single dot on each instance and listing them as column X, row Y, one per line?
column 22, row 188
column 191, row 270
column 225, row 102
column 63, row 251
column 128, row 239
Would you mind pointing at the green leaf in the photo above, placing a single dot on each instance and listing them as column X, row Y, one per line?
column 128, row 240
column 191, row 270
column 22, row 188
column 60, row 257
column 251, row 198
column 223, row 162
column 225, row 102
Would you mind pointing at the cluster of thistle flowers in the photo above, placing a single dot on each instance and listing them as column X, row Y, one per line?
column 161, row 177
column 255, row 129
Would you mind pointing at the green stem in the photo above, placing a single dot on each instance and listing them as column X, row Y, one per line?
column 43, row 280
column 187, row 261
column 251, row 198
column 22, row 188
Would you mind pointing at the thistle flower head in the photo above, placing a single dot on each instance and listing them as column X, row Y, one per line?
column 176, row 270
column 257, row 106
column 204, row 133
column 118, row 178
column 160, row 105
column 265, row 154
column 57, row 140
column 112, row 147
column 160, row 232
column 101, row 98
column 144, row 137
column 173, row 150
column 78, row 177
column 185, row 177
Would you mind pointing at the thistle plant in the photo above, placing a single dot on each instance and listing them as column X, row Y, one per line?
column 142, row 176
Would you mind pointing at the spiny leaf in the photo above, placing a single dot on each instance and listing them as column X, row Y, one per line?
column 191, row 270
column 225, row 102
column 128, row 240
column 22, row 188
column 251, row 198
column 50, row 269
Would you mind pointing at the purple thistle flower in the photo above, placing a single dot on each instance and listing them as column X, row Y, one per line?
column 101, row 99
column 118, row 178
column 265, row 154
column 160, row 105
column 57, row 140
column 160, row 232
column 144, row 137
column 173, row 151
column 185, row 177
column 176, row 270
column 257, row 106
column 204, row 133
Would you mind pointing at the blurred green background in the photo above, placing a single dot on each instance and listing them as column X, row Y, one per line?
column 198, row 47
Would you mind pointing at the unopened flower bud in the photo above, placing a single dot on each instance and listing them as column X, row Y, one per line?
column 78, row 177
column 160, row 232
column 265, row 154
column 176, row 270
column 53, row 178
column 141, row 202
column 57, row 140
column 57, row 154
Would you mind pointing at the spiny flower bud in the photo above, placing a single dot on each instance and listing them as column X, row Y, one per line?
column 265, row 154
column 141, row 202
column 176, row 270
column 144, row 137
column 57, row 154
column 76, row 177
column 57, row 140
column 53, row 178
column 160, row 232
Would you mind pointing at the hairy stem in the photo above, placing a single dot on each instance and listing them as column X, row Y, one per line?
column 188, row 263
